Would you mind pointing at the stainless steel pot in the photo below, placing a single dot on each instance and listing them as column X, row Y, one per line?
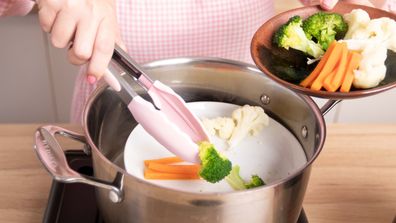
column 124, row 198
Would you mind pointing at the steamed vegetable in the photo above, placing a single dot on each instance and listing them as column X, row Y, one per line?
column 334, row 70
column 356, row 19
column 237, row 183
column 292, row 35
column 353, row 63
column 371, row 38
column 155, row 175
column 182, row 169
column 372, row 69
column 221, row 126
column 165, row 160
column 339, row 74
column 249, row 120
column 324, row 27
column 244, row 121
column 311, row 77
column 331, row 64
column 214, row 166
column 163, row 169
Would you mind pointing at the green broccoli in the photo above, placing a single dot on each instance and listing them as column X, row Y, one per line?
column 237, row 183
column 214, row 167
column 291, row 34
column 325, row 27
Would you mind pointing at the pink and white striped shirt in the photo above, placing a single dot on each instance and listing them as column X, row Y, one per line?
column 158, row 29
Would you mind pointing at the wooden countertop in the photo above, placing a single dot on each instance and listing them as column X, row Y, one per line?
column 353, row 180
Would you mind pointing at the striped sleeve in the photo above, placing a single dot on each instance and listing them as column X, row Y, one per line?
column 15, row 7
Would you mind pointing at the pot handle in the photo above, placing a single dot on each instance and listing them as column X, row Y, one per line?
column 329, row 105
column 54, row 160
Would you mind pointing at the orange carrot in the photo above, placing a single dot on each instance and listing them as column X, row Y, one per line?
column 330, row 65
column 354, row 60
column 339, row 76
column 154, row 175
column 333, row 82
column 327, row 81
column 182, row 169
column 311, row 77
column 165, row 160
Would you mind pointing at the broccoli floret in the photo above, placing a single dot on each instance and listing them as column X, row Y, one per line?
column 325, row 27
column 214, row 167
column 292, row 35
column 237, row 183
column 256, row 181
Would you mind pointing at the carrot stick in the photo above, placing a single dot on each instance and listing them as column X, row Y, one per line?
column 354, row 60
column 339, row 76
column 334, row 81
column 327, row 81
column 154, row 175
column 330, row 65
column 181, row 169
column 165, row 160
column 311, row 77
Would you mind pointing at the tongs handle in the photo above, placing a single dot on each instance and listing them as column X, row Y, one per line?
column 131, row 67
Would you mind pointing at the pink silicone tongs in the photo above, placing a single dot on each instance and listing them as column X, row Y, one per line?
column 173, row 125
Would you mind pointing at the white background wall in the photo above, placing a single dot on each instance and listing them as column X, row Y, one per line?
column 36, row 82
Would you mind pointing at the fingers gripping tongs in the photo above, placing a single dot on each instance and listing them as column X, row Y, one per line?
column 173, row 125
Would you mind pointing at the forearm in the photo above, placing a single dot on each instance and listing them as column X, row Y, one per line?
column 15, row 7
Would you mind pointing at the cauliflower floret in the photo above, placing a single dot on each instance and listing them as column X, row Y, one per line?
column 372, row 68
column 381, row 29
column 377, row 30
column 357, row 44
column 356, row 20
column 221, row 126
column 249, row 120
column 209, row 126
column 372, row 38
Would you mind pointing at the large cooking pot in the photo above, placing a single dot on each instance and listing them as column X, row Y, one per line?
column 124, row 198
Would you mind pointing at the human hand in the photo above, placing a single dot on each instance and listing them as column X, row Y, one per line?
column 329, row 4
column 89, row 25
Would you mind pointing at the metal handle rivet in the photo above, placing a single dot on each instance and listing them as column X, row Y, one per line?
column 304, row 131
column 265, row 99
column 114, row 197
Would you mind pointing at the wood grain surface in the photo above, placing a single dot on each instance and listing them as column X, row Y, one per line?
column 353, row 180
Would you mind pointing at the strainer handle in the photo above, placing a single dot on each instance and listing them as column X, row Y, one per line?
column 52, row 156
column 329, row 105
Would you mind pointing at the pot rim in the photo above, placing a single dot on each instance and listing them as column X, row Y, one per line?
column 184, row 60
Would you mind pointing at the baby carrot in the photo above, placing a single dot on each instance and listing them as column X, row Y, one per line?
column 354, row 60
column 154, row 175
column 311, row 77
column 339, row 76
column 181, row 169
column 329, row 66
column 327, row 82
column 165, row 160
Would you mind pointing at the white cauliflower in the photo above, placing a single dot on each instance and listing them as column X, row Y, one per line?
column 221, row 126
column 372, row 67
column 249, row 120
column 372, row 38
column 356, row 19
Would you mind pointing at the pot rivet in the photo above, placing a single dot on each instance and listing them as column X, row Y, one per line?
column 304, row 131
column 265, row 99
column 114, row 197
